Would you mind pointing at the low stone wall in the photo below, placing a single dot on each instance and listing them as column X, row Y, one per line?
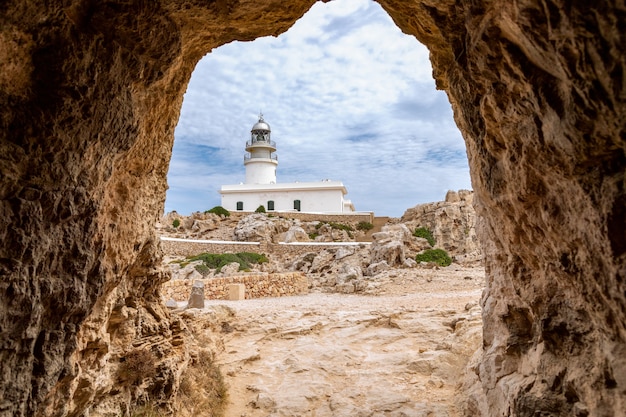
column 258, row 285
column 309, row 217
column 295, row 250
column 189, row 247
column 338, row 218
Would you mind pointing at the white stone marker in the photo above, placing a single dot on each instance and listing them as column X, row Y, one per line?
column 236, row 292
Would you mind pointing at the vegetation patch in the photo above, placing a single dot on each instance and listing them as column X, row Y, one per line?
column 365, row 226
column 426, row 234
column 260, row 209
column 217, row 261
column 175, row 223
column 136, row 366
column 438, row 256
column 202, row 389
column 203, row 269
column 337, row 226
column 219, row 210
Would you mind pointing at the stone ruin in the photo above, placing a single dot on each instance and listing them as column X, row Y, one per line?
column 90, row 94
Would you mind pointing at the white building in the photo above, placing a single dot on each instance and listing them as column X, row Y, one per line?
column 261, row 188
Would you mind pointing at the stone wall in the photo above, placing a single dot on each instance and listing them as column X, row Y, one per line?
column 257, row 285
column 338, row 218
column 189, row 248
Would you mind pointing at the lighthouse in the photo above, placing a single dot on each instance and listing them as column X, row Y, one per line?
column 260, row 160
column 261, row 189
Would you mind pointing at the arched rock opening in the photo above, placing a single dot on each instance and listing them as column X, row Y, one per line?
column 90, row 94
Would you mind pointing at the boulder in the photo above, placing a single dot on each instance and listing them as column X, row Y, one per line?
column 296, row 234
column 343, row 252
column 322, row 261
column 196, row 297
column 391, row 252
column 259, row 227
column 230, row 269
column 348, row 273
column 376, row 268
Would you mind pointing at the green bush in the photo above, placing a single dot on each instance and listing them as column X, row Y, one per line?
column 313, row 235
column 425, row 233
column 219, row 210
column 438, row 256
column 176, row 223
column 337, row 226
column 365, row 226
column 203, row 269
column 217, row 261
column 341, row 226
column 260, row 209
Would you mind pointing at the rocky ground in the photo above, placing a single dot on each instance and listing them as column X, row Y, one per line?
column 398, row 351
column 378, row 335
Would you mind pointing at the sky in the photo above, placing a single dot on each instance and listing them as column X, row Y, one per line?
column 348, row 97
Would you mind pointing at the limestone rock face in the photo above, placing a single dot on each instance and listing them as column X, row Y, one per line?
column 452, row 223
column 259, row 228
column 394, row 243
column 90, row 94
column 296, row 234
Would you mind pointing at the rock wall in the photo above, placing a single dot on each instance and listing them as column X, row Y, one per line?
column 539, row 93
column 258, row 285
column 452, row 223
column 90, row 93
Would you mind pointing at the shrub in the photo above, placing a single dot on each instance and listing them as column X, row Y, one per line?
column 203, row 269
column 438, row 256
column 219, row 210
column 313, row 235
column 260, row 209
column 176, row 223
column 425, row 233
column 136, row 366
column 217, row 261
column 202, row 388
column 365, row 226
column 341, row 226
column 337, row 226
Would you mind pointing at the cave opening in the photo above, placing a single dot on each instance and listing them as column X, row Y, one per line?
column 84, row 177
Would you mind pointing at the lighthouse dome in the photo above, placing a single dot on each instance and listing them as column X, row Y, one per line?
column 261, row 125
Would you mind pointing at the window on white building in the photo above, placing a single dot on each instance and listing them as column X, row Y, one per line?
column 296, row 205
column 239, row 205
column 270, row 205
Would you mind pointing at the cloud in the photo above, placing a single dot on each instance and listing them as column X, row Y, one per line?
column 348, row 97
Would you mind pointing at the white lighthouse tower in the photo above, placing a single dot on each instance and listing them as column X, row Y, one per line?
column 260, row 161
column 261, row 189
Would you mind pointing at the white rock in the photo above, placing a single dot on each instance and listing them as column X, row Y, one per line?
column 230, row 269
column 376, row 268
column 296, row 234
column 343, row 252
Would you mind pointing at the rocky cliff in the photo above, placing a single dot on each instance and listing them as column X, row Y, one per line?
column 452, row 223
column 90, row 93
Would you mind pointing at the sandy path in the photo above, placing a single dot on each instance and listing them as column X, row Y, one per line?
column 396, row 354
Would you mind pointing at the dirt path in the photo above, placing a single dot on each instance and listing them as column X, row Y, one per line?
column 398, row 353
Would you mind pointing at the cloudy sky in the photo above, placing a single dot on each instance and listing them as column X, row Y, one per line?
column 348, row 96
